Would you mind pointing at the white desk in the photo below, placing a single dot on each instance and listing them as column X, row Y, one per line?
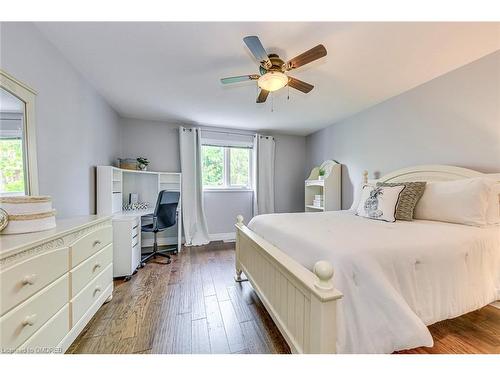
column 113, row 188
column 129, row 241
column 125, row 215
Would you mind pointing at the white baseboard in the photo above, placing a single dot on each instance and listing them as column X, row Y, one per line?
column 162, row 241
column 166, row 241
column 226, row 237
column 496, row 304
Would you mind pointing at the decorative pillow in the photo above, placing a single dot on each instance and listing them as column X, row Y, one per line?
column 408, row 199
column 357, row 195
column 379, row 202
column 460, row 201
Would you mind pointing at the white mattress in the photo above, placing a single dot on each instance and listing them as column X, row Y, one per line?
column 396, row 277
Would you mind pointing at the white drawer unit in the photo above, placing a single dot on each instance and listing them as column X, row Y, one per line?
column 22, row 322
column 53, row 282
column 90, row 244
column 91, row 293
column 22, row 280
column 47, row 338
column 86, row 271
column 127, row 245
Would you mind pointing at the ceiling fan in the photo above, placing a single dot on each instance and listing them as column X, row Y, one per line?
column 272, row 69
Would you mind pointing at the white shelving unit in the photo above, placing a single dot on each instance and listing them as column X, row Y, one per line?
column 115, row 184
column 113, row 188
column 329, row 188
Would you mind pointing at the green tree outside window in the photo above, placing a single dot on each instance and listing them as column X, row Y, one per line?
column 11, row 166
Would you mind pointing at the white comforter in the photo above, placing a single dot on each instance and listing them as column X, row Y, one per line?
column 396, row 277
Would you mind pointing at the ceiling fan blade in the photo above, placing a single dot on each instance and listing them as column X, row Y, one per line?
column 249, row 77
column 255, row 46
column 314, row 53
column 299, row 85
column 262, row 96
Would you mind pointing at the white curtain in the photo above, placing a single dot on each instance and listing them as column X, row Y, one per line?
column 193, row 213
column 264, row 148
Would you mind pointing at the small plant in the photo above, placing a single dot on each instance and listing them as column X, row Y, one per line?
column 322, row 172
column 142, row 163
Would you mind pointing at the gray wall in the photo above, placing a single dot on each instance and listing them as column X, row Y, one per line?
column 453, row 119
column 76, row 128
column 159, row 142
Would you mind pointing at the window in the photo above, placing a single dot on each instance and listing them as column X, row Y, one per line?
column 12, row 167
column 226, row 167
column 18, row 175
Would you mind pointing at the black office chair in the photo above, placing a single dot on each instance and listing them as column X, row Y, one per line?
column 165, row 216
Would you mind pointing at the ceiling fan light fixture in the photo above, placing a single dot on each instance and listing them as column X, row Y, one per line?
column 272, row 81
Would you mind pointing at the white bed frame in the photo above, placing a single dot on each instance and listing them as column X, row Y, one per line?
column 303, row 303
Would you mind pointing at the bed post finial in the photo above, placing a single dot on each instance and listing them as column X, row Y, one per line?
column 324, row 271
column 239, row 219
column 365, row 177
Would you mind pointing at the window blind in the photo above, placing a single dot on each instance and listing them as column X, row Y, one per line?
column 226, row 139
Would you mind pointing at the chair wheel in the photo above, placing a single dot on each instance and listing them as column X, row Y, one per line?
column 143, row 264
column 127, row 278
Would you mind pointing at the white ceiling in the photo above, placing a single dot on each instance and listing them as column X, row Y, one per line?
column 170, row 71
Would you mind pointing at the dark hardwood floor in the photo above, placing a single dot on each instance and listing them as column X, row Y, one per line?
column 193, row 305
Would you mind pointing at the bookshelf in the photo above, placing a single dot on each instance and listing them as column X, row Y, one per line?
column 115, row 184
column 327, row 188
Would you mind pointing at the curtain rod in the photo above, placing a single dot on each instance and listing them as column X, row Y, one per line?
column 232, row 133
column 225, row 132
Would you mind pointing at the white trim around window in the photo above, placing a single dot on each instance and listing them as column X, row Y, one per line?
column 227, row 187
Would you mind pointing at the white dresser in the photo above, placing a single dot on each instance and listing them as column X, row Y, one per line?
column 53, row 282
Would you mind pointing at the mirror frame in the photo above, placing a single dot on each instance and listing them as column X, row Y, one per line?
column 28, row 96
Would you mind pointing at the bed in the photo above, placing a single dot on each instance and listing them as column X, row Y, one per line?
column 335, row 282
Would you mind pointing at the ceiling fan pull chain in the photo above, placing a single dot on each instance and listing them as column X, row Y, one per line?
column 288, row 95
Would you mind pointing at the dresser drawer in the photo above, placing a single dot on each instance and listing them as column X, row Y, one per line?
column 23, row 321
column 82, row 301
column 90, row 244
column 46, row 339
column 21, row 281
column 90, row 268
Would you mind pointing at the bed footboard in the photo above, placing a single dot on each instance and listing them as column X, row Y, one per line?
column 301, row 303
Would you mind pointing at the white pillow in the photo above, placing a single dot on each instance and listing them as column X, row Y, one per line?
column 460, row 201
column 357, row 195
column 379, row 202
column 493, row 211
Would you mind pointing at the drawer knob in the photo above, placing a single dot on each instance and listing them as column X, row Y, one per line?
column 97, row 289
column 96, row 242
column 97, row 265
column 29, row 279
column 29, row 320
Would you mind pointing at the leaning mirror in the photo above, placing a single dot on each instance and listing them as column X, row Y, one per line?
column 18, row 169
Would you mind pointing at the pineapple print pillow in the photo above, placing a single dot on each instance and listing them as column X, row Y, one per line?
column 379, row 202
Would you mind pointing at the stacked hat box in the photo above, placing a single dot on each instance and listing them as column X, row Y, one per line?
column 27, row 214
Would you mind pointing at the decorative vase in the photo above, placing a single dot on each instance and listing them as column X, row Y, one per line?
column 143, row 167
